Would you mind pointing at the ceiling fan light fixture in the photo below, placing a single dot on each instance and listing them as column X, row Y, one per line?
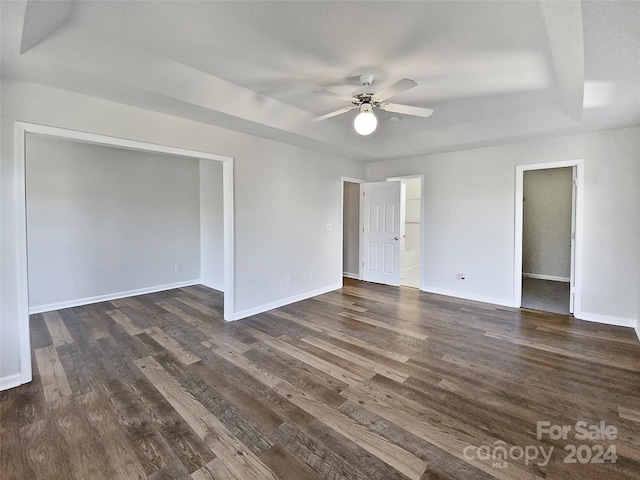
column 365, row 122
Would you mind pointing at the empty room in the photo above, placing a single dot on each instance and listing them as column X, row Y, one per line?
column 320, row 240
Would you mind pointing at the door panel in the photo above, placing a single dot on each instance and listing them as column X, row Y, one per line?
column 381, row 230
column 572, row 277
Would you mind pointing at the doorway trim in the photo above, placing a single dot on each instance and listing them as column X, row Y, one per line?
column 579, row 216
column 22, row 129
column 421, row 177
column 344, row 180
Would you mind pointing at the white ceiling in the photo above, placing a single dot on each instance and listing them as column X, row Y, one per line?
column 493, row 71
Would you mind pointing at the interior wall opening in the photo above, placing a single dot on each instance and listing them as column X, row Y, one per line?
column 25, row 130
column 351, row 228
column 410, row 251
column 548, row 221
column 105, row 222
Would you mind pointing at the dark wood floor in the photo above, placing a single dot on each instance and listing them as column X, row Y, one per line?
column 369, row 382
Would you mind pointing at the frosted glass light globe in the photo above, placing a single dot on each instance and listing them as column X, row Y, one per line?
column 365, row 122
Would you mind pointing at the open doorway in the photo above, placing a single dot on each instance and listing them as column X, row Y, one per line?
column 351, row 227
column 412, row 231
column 23, row 130
column 547, row 229
column 548, row 223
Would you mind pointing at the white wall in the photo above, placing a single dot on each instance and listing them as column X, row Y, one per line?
column 211, row 225
column 103, row 220
column 284, row 197
column 546, row 222
column 351, row 229
column 469, row 214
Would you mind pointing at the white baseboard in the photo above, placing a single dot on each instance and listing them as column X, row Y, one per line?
column 468, row 296
column 617, row 321
column 285, row 301
column 109, row 296
column 637, row 329
column 355, row 276
column 10, row 381
column 547, row 277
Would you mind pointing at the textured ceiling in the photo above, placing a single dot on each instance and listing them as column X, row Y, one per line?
column 492, row 71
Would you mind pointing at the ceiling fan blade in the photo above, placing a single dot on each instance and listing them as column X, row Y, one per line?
column 334, row 114
column 329, row 93
column 407, row 109
column 398, row 87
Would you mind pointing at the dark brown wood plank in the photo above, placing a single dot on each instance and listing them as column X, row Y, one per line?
column 365, row 383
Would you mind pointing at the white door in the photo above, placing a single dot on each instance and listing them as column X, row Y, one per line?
column 381, row 217
column 572, row 276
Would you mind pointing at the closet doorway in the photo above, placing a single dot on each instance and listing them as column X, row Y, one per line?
column 411, row 247
column 548, row 218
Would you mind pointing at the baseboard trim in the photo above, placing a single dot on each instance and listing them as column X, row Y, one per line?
column 355, row 276
column 109, row 296
column 637, row 329
column 468, row 296
column 10, row 381
column 547, row 277
column 609, row 320
column 285, row 301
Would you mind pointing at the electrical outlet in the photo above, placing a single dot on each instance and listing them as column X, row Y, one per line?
column 287, row 279
column 311, row 274
column 178, row 268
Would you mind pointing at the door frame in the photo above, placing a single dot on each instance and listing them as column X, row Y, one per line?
column 22, row 129
column 578, row 212
column 421, row 177
column 342, row 182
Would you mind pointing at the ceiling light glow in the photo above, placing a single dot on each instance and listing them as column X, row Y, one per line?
column 365, row 122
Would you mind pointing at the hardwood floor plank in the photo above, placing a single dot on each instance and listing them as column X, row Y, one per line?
column 375, row 367
column 318, row 363
column 59, row 333
column 39, row 332
column 315, row 326
column 383, row 325
column 52, row 375
column 222, row 443
column 199, row 307
column 265, row 418
column 391, row 454
column 84, row 447
column 610, row 360
column 125, row 322
column 216, row 469
column 368, row 382
column 171, row 345
column 114, row 444
column 438, row 461
column 629, row 413
column 41, row 443
column 406, row 414
column 287, row 466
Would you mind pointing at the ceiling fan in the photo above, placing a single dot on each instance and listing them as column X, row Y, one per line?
column 365, row 100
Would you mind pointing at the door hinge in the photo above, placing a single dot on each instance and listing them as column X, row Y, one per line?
column 573, row 290
column 575, row 182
